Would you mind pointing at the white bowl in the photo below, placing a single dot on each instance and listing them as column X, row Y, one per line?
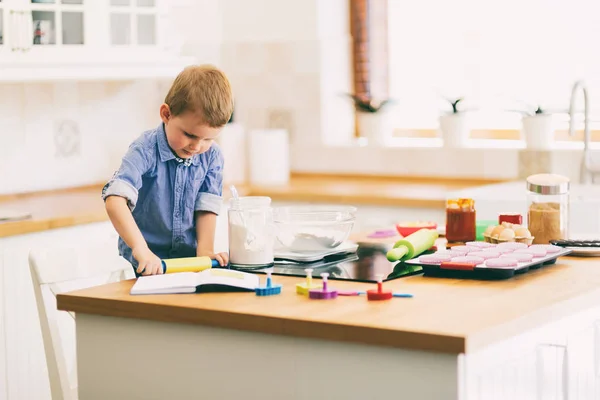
column 303, row 229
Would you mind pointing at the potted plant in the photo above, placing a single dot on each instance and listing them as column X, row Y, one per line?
column 373, row 119
column 454, row 125
column 537, row 127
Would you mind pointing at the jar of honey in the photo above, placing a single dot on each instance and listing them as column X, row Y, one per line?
column 460, row 220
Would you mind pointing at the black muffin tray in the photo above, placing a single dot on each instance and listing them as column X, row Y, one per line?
column 464, row 270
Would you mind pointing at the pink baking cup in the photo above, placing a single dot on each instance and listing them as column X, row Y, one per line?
column 435, row 258
column 511, row 245
column 520, row 257
column 503, row 250
column 501, row 263
column 536, row 251
column 486, row 255
column 493, row 252
column 480, row 245
column 468, row 259
column 468, row 249
column 452, row 252
column 550, row 248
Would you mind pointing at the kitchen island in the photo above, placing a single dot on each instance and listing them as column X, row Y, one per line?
column 533, row 336
column 76, row 217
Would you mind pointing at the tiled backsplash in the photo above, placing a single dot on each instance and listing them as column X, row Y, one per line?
column 40, row 124
column 275, row 81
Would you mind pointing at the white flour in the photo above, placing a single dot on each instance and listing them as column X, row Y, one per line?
column 249, row 248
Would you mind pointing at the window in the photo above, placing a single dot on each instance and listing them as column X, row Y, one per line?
column 497, row 55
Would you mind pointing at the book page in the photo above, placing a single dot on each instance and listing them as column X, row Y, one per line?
column 166, row 282
column 227, row 277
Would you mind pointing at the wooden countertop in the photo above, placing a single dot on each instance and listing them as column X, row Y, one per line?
column 423, row 192
column 445, row 315
column 53, row 209
column 62, row 208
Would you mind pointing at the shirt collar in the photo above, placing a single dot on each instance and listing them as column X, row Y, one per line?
column 167, row 154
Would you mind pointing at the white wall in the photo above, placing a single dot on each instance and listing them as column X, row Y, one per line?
column 289, row 63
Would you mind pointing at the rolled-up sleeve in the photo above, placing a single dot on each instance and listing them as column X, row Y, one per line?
column 210, row 196
column 127, row 181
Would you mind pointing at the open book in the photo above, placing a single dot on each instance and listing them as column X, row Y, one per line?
column 209, row 280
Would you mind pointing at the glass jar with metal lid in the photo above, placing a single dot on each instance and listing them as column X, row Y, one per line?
column 548, row 207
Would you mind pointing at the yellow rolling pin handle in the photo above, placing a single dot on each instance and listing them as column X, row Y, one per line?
column 188, row 264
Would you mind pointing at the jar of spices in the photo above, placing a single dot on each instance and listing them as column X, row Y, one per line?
column 548, row 207
column 460, row 220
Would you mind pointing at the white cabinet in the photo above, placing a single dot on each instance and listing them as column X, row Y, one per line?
column 23, row 373
column 86, row 39
column 558, row 361
column 3, row 375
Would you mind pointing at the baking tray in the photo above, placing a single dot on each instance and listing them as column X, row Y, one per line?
column 482, row 272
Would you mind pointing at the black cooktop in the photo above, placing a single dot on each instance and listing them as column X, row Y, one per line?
column 362, row 266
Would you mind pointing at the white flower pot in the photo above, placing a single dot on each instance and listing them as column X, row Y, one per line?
column 538, row 131
column 376, row 127
column 455, row 129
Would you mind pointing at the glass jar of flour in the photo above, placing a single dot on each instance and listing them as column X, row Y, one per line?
column 251, row 232
column 548, row 207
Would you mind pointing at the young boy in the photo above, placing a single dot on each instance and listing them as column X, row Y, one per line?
column 164, row 199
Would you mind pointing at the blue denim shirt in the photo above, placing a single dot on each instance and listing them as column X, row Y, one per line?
column 163, row 191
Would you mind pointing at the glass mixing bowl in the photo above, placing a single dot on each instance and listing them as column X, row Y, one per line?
column 310, row 228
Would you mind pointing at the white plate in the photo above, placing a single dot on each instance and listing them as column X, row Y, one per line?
column 346, row 247
column 584, row 251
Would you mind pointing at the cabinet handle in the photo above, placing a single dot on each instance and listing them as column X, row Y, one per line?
column 13, row 29
column 564, row 378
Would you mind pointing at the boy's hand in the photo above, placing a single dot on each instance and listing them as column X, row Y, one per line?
column 222, row 258
column 148, row 262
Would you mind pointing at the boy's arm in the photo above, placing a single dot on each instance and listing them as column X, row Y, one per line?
column 120, row 195
column 206, row 224
column 208, row 206
column 122, row 219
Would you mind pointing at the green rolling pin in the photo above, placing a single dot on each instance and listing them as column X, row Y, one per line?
column 413, row 245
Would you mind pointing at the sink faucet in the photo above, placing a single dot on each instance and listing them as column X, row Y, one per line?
column 585, row 170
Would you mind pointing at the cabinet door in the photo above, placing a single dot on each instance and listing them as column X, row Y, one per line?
column 82, row 31
column 9, row 19
column 3, row 364
column 56, row 31
column 135, row 29
column 583, row 362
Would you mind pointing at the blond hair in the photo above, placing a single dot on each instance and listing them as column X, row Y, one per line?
column 204, row 89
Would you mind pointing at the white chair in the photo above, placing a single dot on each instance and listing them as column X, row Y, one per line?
column 58, row 270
